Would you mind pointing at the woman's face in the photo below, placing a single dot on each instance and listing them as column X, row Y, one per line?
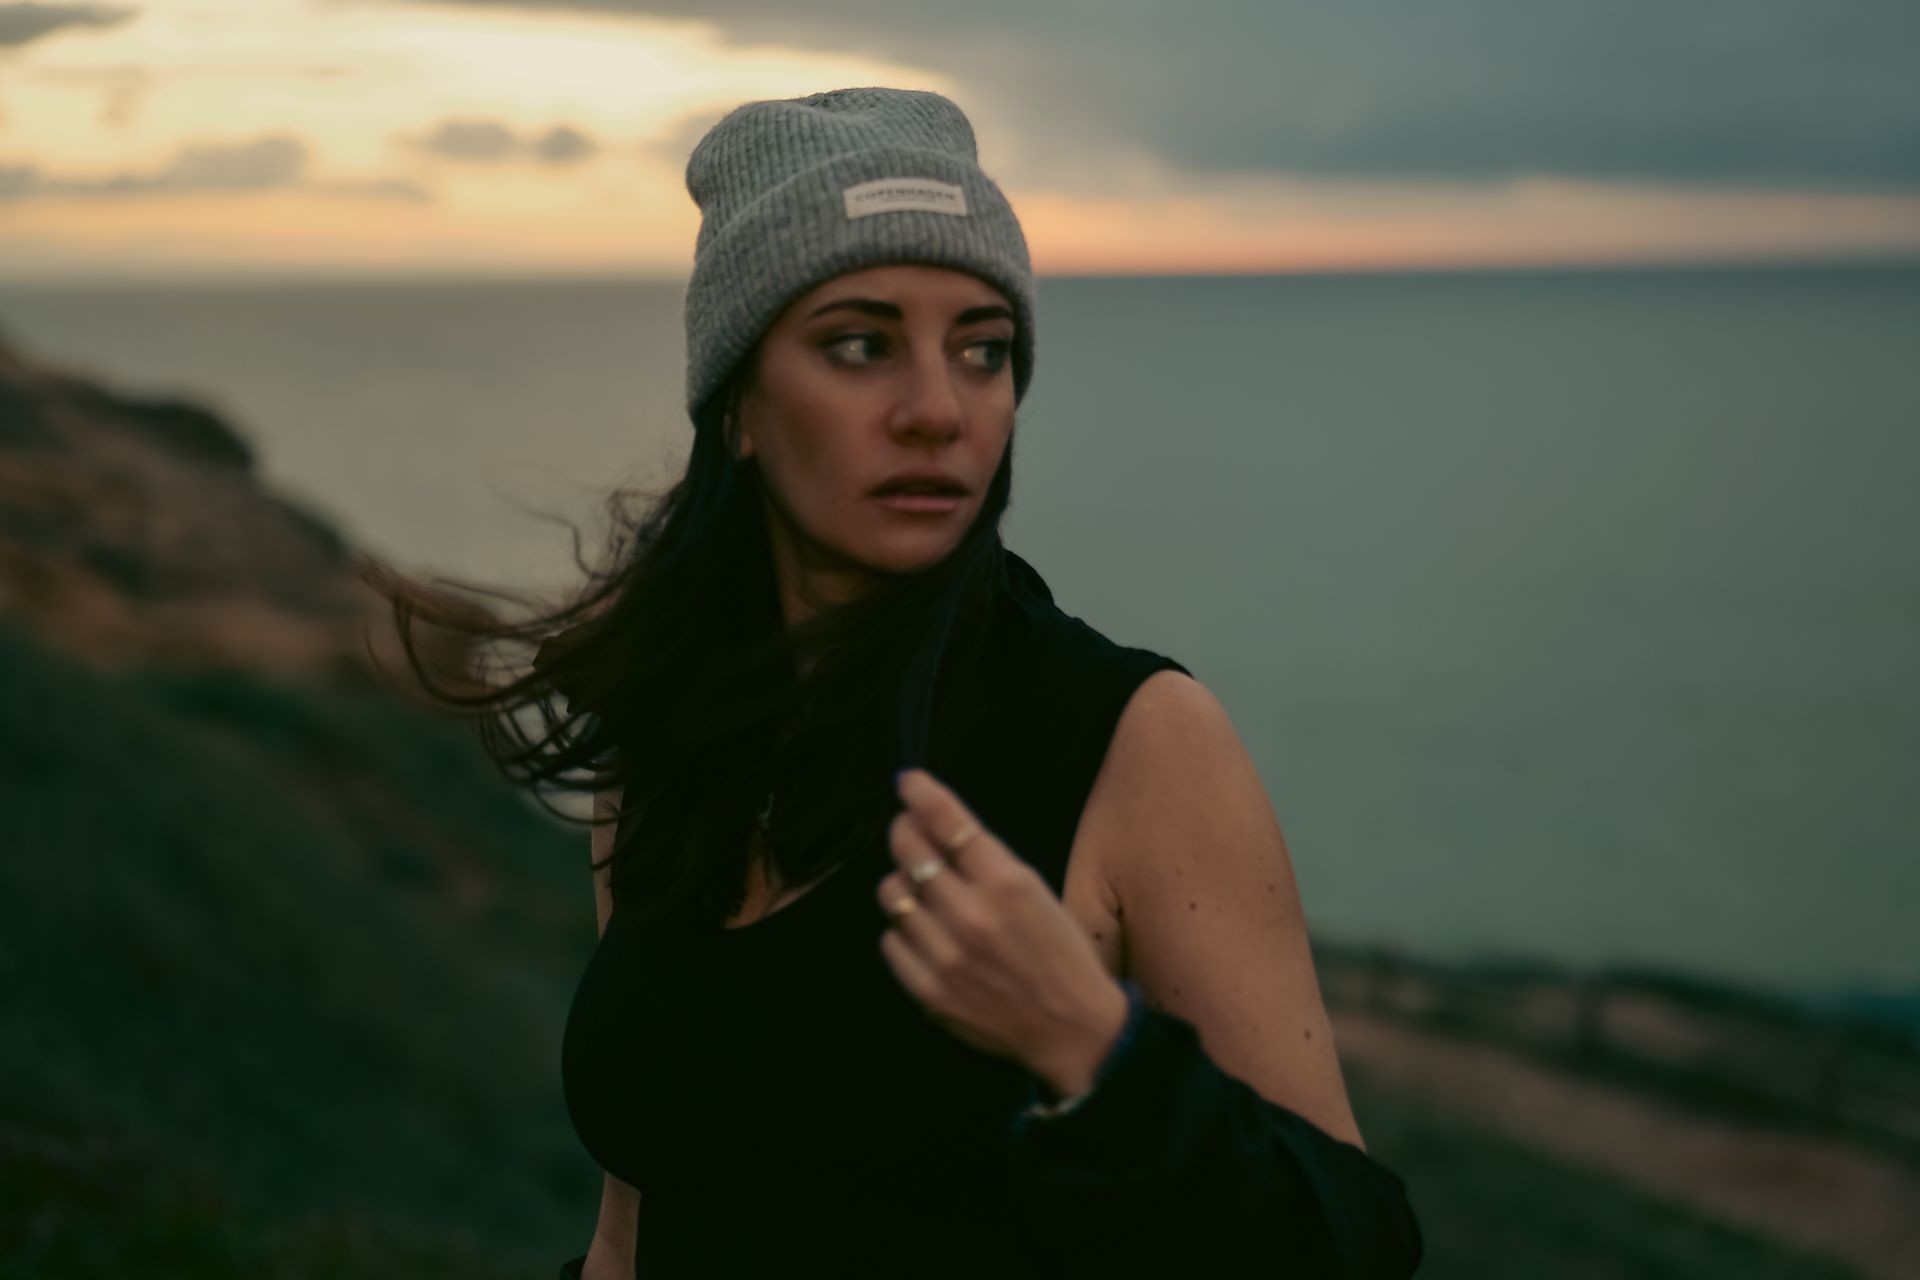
column 875, row 372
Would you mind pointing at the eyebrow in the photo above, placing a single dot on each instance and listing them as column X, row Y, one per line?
column 887, row 311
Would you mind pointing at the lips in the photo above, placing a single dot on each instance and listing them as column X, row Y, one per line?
column 921, row 484
column 925, row 503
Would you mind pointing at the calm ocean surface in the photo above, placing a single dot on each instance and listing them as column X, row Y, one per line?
column 1568, row 614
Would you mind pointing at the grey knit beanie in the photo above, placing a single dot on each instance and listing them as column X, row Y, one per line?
column 794, row 191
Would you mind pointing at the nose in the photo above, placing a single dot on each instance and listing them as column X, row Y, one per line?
column 928, row 402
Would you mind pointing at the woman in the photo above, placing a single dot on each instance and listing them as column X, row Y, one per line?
column 1041, row 1001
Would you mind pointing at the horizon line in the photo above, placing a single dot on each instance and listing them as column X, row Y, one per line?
column 613, row 274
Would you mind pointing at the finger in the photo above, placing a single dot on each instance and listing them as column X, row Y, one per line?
column 921, row 927
column 929, row 873
column 961, row 906
column 911, row 971
column 947, row 822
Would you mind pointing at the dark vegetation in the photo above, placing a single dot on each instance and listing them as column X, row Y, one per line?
column 285, row 969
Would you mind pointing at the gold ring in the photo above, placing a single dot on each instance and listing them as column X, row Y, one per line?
column 903, row 906
column 959, row 842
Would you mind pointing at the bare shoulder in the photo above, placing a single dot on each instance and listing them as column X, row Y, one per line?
column 1172, row 736
column 1172, row 730
column 1192, row 860
column 1170, row 712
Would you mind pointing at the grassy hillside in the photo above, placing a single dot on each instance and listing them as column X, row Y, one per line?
column 271, row 953
column 282, row 978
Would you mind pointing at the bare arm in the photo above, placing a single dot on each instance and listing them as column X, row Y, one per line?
column 1222, row 1135
column 1215, row 929
column 610, row 1256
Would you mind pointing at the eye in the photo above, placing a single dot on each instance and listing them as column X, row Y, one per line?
column 838, row 341
column 997, row 349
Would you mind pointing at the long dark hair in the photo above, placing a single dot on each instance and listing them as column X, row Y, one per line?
column 687, row 694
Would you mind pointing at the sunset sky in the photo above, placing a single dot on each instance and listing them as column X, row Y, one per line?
column 282, row 137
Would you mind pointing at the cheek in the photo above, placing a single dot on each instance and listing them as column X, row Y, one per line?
column 993, row 447
column 803, row 438
column 818, row 469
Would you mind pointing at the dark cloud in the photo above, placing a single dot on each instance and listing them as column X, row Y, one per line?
column 21, row 23
column 490, row 142
column 564, row 144
column 277, row 161
column 1797, row 92
column 483, row 141
column 274, row 163
column 376, row 189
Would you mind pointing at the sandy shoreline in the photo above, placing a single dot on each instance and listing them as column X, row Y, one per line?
column 1821, row 1195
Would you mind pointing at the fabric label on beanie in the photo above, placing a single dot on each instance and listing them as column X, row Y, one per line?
column 885, row 194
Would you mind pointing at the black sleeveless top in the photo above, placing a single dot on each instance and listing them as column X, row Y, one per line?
column 781, row 1103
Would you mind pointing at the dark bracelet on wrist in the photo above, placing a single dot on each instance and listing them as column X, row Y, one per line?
column 1049, row 1104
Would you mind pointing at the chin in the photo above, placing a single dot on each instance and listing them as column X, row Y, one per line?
column 907, row 555
column 906, row 564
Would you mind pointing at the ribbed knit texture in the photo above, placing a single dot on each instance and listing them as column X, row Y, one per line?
column 770, row 180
